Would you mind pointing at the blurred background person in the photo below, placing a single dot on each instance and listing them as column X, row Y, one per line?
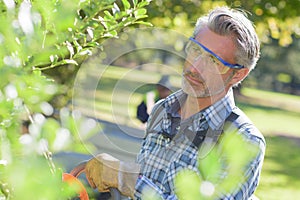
column 162, row 90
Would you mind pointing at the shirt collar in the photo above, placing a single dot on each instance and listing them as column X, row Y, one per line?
column 215, row 114
column 174, row 102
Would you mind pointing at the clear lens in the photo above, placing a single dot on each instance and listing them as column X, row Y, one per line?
column 195, row 52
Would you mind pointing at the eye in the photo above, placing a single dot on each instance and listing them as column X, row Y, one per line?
column 196, row 50
column 193, row 50
column 214, row 60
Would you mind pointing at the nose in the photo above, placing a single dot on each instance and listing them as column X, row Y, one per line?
column 195, row 66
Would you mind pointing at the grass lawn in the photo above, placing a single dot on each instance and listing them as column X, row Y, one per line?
column 273, row 113
column 280, row 177
column 276, row 115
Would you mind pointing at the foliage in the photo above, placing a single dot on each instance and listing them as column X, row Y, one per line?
column 221, row 169
column 279, row 68
column 274, row 19
column 35, row 36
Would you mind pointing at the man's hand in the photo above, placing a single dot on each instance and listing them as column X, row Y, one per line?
column 104, row 172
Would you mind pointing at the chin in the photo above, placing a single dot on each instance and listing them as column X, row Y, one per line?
column 197, row 93
column 188, row 89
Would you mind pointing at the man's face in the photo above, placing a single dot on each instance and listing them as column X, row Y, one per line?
column 204, row 75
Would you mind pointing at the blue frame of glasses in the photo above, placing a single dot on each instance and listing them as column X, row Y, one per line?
column 233, row 66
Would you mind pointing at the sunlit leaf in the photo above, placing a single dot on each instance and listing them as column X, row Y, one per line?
column 42, row 41
column 141, row 11
column 134, row 2
column 143, row 23
column 112, row 33
column 143, row 3
column 49, row 130
column 108, row 15
column 237, row 151
column 188, row 185
column 69, row 61
column 126, row 4
column 210, row 166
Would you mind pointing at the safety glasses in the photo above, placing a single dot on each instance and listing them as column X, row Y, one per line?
column 216, row 64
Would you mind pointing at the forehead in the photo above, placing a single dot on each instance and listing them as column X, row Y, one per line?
column 223, row 46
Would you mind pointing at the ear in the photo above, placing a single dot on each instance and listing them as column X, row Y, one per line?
column 239, row 75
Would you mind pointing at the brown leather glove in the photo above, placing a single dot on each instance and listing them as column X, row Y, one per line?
column 104, row 172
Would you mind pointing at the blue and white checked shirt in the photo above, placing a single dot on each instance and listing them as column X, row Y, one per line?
column 172, row 145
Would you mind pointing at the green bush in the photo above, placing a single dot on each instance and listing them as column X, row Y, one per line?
column 35, row 36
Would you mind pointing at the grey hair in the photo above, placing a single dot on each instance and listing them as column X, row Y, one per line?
column 234, row 23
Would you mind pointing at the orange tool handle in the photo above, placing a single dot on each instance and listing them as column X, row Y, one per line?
column 80, row 168
column 71, row 178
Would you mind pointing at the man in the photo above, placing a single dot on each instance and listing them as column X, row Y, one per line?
column 163, row 89
column 223, row 50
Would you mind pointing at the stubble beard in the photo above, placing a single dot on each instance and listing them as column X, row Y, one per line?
column 201, row 90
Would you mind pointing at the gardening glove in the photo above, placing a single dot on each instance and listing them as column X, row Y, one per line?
column 104, row 172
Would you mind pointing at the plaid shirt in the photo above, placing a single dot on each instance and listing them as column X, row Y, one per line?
column 173, row 145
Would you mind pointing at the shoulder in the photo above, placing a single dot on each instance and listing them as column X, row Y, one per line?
column 240, row 121
column 159, row 105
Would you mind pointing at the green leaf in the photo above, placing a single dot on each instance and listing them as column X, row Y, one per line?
column 6, row 108
column 69, row 61
column 108, row 15
column 237, row 151
column 93, row 44
column 70, row 123
column 144, row 23
column 126, row 4
column 210, row 165
column 231, row 181
column 85, row 52
column 134, row 2
column 112, row 33
column 37, row 71
column 143, row 3
column 49, row 130
column 187, row 185
column 141, row 16
column 140, row 11
column 120, row 15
